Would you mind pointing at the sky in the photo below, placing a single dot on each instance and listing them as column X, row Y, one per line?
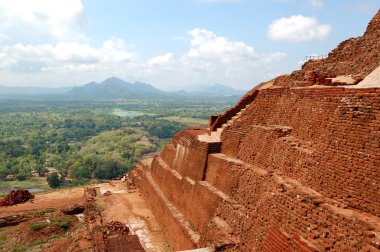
column 171, row 44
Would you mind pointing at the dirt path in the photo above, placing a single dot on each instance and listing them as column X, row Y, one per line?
column 57, row 199
column 131, row 209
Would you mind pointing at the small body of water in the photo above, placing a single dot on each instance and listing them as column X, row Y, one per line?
column 128, row 113
column 7, row 189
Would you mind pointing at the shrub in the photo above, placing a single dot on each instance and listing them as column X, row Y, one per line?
column 21, row 176
column 53, row 180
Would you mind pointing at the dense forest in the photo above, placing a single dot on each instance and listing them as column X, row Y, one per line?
column 93, row 139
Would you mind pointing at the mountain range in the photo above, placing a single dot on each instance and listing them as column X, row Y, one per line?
column 115, row 88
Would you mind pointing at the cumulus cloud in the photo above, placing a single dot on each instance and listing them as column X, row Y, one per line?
column 65, row 56
column 39, row 20
column 297, row 29
column 161, row 59
column 207, row 45
column 213, row 58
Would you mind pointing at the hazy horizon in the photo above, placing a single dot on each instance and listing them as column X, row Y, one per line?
column 192, row 88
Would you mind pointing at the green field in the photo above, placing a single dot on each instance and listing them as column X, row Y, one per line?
column 186, row 120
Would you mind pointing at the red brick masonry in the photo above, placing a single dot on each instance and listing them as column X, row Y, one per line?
column 295, row 168
column 303, row 161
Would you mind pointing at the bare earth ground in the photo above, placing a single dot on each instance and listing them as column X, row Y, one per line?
column 120, row 205
column 57, row 199
column 131, row 209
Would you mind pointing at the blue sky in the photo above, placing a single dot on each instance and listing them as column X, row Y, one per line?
column 171, row 44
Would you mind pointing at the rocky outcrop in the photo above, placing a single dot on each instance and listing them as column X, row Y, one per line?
column 16, row 197
column 289, row 168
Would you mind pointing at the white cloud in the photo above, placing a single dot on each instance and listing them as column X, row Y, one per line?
column 41, row 20
column 66, row 56
column 206, row 45
column 212, row 58
column 297, row 29
column 161, row 59
column 5, row 61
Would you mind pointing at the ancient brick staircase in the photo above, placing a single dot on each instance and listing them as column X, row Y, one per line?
column 217, row 134
column 226, row 119
column 226, row 116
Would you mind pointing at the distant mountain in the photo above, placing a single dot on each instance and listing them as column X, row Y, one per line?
column 22, row 91
column 113, row 88
column 216, row 90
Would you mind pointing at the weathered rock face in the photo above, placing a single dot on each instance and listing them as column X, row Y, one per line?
column 286, row 169
column 374, row 25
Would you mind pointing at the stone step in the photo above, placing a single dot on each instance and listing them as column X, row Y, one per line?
column 214, row 137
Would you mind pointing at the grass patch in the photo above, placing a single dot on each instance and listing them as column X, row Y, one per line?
column 49, row 210
column 80, row 182
column 39, row 226
column 61, row 221
column 186, row 120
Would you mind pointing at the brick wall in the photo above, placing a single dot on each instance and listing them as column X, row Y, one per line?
column 267, row 201
column 278, row 240
column 330, row 140
column 168, row 154
column 298, row 171
column 196, row 200
column 191, row 154
column 167, row 215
